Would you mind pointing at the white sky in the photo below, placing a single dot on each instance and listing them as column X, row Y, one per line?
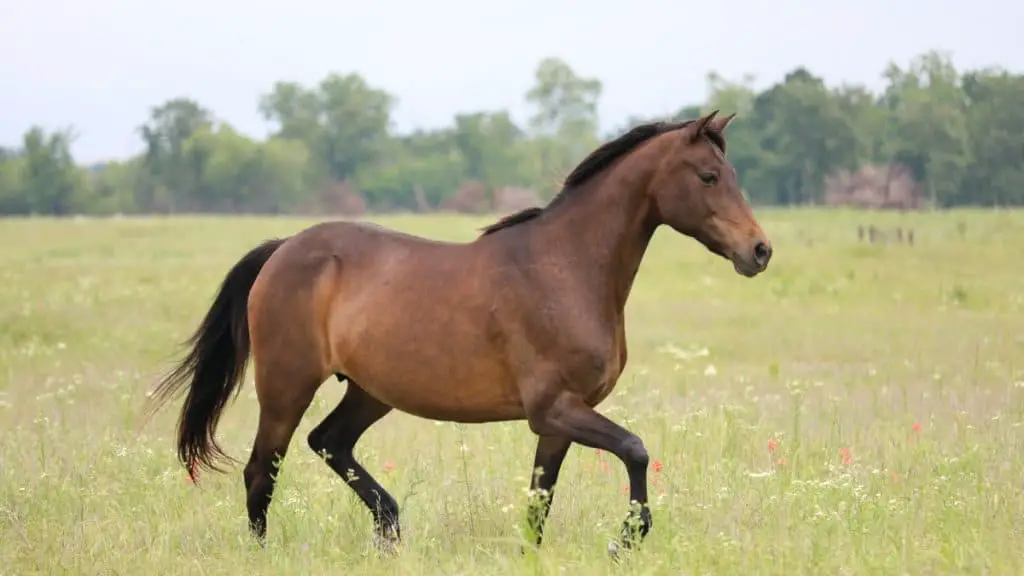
column 101, row 64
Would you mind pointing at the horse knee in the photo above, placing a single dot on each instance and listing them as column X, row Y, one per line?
column 256, row 469
column 316, row 440
column 633, row 452
column 249, row 474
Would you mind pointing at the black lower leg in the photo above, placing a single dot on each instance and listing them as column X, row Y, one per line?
column 259, row 488
column 334, row 440
column 272, row 438
column 547, row 463
column 638, row 522
column 572, row 418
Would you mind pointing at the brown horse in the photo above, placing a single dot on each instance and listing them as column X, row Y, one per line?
column 525, row 322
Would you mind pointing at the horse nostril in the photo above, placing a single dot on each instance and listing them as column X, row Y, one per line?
column 762, row 253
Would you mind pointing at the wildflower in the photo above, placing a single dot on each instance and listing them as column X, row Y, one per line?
column 389, row 465
column 656, row 480
column 772, row 445
column 916, row 427
column 846, row 456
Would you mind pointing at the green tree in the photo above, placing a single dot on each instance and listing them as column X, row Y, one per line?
column 242, row 174
column 50, row 180
column 171, row 177
column 112, row 187
column 427, row 160
column 565, row 122
column 566, row 103
column 961, row 134
column 743, row 145
column 487, row 143
column 298, row 111
column 345, row 122
column 995, row 125
column 928, row 124
column 13, row 199
column 804, row 136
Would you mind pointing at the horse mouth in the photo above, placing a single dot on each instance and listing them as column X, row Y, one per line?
column 744, row 268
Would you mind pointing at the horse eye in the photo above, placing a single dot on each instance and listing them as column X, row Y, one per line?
column 708, row 178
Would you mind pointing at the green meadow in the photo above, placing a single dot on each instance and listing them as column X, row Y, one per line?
column 856, row 409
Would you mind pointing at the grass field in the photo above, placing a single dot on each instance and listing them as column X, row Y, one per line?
column 855, row 410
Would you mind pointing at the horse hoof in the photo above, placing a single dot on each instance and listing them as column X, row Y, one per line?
column 613, row 550
column 386, row 546
column 525, row 549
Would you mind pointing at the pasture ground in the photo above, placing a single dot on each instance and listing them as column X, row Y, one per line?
column 855, row 410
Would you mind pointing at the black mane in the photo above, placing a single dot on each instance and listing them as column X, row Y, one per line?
column 595, row 162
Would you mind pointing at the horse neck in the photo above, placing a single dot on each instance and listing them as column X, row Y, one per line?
column 603, row 229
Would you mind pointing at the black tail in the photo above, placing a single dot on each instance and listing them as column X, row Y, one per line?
column 215, row 365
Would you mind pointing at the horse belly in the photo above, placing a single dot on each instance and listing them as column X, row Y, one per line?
column 421, row 384
column 436, row 376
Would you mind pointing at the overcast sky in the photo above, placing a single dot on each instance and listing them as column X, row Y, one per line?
column 101, row 64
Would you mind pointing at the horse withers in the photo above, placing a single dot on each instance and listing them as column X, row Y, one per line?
column 526, row 322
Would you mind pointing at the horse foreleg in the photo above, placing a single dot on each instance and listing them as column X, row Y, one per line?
column 547, row 463
column 570, row 417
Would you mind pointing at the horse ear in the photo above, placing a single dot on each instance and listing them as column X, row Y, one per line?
column 695, row 130
column 720, row 124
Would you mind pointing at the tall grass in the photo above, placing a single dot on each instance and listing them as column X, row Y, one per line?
column 857, row 409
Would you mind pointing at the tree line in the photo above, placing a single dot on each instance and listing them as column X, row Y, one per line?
column 935, row 136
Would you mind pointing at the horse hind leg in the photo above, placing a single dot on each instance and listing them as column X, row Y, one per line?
column 283, row 400
column 334, row 440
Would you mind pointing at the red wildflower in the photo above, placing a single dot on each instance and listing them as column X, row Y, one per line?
column 389, row 465
column 916, row 427
column 772, row 445
column 657, row 466
column 846, row 456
